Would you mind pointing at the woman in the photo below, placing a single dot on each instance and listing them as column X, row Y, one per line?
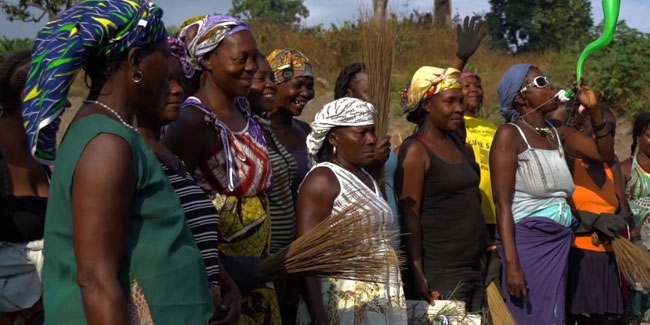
column 479, row 135
column 343, row 142
column 595, row 294
column 353, row 82
column 284, row 168
column 224, row 149
column 439, row 196
column 531, row 184
column 118, row 246
column 201, row 215
column 24, row 188
column 637, row 190
column 295, row 79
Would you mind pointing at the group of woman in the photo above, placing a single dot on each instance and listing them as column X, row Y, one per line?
column 186, row 166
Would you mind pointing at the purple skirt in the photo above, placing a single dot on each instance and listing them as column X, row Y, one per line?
column 543, row 247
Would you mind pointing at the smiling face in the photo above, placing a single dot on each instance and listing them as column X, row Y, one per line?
column 294, row 94
column 472, row 94
column 445, row 110
column 175, row 92
column 233, row 64
column 263, row 90
column 355, row 144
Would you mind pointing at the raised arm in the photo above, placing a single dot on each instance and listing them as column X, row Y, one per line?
column 314, row 203
column 503, row 169
column 469, row 37
column 409, row 184
column 102, row 191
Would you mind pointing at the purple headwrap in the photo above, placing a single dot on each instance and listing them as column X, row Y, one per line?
column 180, row 53
column 469, row 73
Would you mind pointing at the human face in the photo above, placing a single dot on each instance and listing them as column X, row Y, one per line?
column 263, row 90
column 472, row 94
column 445, row 110
column 150, row 94
column 175, row 92
column 355, row 144
column 233, row 64
column 537, row 98
column 358, row 87
column 644, row 142
column 294, row 94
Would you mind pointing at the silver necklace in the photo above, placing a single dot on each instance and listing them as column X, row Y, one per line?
column 119, row 117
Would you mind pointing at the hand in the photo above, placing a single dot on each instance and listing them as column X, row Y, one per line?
column 228, row 307
column 610, row 224
column 586, row 96
column 469, row 37
column 382, row 152
column 427, row 295
column 516, row 281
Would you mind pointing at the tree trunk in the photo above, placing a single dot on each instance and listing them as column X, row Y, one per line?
column 442, row 12
column 379, row 7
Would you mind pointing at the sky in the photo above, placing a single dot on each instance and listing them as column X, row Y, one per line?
column 635, row 12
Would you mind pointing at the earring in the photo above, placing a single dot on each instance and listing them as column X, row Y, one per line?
column 334, row 150
column 137, row 77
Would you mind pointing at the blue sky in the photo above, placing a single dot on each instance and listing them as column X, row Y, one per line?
column 636, row 12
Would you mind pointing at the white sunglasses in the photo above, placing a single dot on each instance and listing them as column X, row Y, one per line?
column 538, row 82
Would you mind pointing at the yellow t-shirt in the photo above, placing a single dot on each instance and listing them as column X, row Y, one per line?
column 479, row 135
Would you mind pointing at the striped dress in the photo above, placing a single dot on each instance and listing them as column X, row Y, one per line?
column 201, row 215
column 359, row 302
column 284, row 170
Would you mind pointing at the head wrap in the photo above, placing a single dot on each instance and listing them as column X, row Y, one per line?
column 427, row 82
column 180, row 53
column 212, row 30
column 509, row 87
column 289, row 63
column 469, row 73
column 346, row 111
column 92, row 29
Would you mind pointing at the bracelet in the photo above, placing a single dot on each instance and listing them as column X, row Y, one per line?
column 599, row 126
column 604, row 135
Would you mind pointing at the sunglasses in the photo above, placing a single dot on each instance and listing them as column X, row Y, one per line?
column 538, row 82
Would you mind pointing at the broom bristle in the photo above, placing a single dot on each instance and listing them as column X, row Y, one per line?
column 632, row 261
column 498, row 309
column 379, row 39
column 346, row 245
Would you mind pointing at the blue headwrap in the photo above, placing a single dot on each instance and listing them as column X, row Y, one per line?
column 509, row 87
column 92, row 29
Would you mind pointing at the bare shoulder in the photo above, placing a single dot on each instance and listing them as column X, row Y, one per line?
column 321, row 181
column 626, row 168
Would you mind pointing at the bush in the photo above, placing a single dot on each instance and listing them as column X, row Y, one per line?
column 8, row 45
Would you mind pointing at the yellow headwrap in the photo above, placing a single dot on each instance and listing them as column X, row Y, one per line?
column 428, row 81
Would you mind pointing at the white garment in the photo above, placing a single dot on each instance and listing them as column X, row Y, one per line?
column 20, row 275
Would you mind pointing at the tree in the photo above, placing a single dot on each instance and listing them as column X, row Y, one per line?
column 442, row 12
column 273, row 11
column 24, row 9
column 379, row 7
column 522, row 25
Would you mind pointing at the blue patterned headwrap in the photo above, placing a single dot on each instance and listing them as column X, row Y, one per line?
column 509, row 87
column 92, row 29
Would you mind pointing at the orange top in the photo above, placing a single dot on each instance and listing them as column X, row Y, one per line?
column 591, row 198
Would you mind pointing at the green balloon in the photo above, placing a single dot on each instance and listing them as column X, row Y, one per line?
column 611, row 9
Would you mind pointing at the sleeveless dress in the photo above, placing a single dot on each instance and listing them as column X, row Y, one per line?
column 358, row 302
column 543, row 233
column 594, row 283
column 454, row 233
column 162, row 271
column 236, row 176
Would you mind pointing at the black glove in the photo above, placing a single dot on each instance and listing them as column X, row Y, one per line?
column 469, row 37
column 610, row 224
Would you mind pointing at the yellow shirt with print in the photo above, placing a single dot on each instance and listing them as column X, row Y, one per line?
column 479, row 135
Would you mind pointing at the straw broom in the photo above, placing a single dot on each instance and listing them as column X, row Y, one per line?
column 345, row 245
column 498, row 309
column 632, row 261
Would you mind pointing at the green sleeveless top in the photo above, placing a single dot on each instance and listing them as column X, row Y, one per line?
column 160, row 256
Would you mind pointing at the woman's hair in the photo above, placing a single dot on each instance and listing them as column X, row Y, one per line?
column 326, row 152
column 640, row 125
column 345, row 78
column 12, row 79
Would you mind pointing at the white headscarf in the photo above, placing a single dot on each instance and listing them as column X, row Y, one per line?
column 346, row 111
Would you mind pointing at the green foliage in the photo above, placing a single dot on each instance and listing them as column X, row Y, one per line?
column 172, row 30
column 34, row 10
column 8, row 45
column 523, row 25
column 281, row 12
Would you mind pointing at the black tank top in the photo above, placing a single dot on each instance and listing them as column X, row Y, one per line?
column 452, row 223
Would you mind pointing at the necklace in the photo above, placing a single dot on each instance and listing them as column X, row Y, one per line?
column 543, row 131
column 119, row 117
column 546, row 132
